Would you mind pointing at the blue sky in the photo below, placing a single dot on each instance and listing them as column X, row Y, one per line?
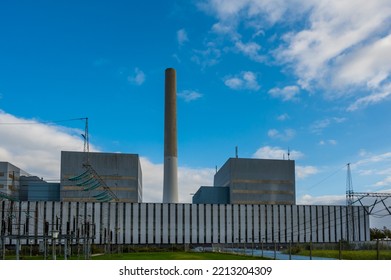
column 310, row 76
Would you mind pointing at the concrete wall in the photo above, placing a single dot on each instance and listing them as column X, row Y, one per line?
column 258, row 181
column 120, row 172
column 157, row 223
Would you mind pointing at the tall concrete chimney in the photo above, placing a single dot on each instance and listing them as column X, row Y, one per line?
column 170, row 181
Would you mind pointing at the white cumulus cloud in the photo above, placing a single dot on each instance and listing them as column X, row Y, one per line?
column 244, row 80
column 287, row 93
column 305, row 171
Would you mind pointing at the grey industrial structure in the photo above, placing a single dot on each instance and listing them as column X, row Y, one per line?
column 251, row 181
column 33, row 188
column 9, row 179
column 87, row 176
column 100, row 198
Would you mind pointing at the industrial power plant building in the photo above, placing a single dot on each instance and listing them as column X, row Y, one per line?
column 89, row 177
column 100, row 200
column 251, row 181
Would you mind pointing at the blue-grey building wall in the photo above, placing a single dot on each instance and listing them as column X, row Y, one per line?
column 258, row 181
column 34, row 189
column 211, row 195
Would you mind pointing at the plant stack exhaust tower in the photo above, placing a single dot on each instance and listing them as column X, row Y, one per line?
column 170, row 180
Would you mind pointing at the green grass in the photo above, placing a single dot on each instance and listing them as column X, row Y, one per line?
column 349, row 255
column 174, row 256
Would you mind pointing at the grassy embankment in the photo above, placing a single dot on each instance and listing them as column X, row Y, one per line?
column 349, row 255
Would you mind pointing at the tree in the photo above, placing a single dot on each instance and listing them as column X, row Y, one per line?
column 376, row 233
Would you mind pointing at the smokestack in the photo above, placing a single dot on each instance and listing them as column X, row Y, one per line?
column 170, row 181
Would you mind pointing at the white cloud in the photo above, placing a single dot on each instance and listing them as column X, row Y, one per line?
column 285, row 135
column 244, row 80
column 339, row 47
column 189, row 95
column 37, row 152
column 283, row 117
column 137, row 78
column 231, row 12
column 328, row 142
column 305, row 171
column 319, row 125
column 335, row 29
column 322, row 200
column 287, row 93
column 182, row 36
column 251, row 50
column 268, row 152
column 370, row 159
column 207, row 57
column 372, row 98
column 378, row 166
column 386, row 182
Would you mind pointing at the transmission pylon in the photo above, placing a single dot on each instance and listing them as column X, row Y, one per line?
column 349, row 187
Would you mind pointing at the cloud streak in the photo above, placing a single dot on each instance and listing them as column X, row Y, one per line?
column 182, row 37
column 189, row 95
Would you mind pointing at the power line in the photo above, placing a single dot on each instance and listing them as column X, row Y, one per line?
column 41, row 122
column 327, row 177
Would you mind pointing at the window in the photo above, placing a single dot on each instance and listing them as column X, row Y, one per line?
column 1, row 186
column 1, row 174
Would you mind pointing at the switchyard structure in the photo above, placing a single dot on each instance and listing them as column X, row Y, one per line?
column 179, row 223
